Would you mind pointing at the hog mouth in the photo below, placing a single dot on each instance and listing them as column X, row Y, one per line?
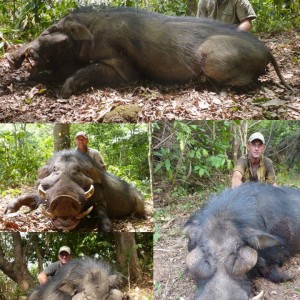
column 34, row 61
column 64, row 210
column 64, row 223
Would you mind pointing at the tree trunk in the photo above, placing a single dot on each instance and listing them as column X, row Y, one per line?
column 61, row 134
column 127, row 258
column 150, row 158
column 191, row 7
column 34, row 239
column 240, row 131
column 16, row 269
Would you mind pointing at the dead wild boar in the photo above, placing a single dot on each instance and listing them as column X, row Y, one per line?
column 71, row 185
column 115, row 46
column 241, row 233
column 80, row 279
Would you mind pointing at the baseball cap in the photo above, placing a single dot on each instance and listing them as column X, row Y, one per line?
column 64, row 248
column 256, row 136
column 81, row 133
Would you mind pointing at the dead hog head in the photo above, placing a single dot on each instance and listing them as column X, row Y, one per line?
column 62, row 43
column 50, row 51
column 219, row 260
column 65, row 185
column 71, row 185
column 81, row 279
column 244, row 232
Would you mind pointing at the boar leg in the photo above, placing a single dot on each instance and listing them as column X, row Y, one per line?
column 275, row 274
column 231, row 60
column 104, row 224
column 30, row 200
column 111, row 71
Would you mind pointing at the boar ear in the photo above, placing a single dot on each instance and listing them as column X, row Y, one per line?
column 260, row 240
column 193, row 231
column 192, row 227
column 43, row 172
column 78, row 31
column 94, row 174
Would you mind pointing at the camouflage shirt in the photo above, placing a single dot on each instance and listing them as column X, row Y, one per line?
column 52, row 269
column 96, row 156
column 265, row 171
column 227, row 11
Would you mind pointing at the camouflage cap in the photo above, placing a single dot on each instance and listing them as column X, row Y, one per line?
column 256, row 136
column 81, row 133
column 64, row 248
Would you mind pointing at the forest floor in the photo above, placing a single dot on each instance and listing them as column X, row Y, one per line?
column 34, row 221
column 22, row 100
column 171, row 279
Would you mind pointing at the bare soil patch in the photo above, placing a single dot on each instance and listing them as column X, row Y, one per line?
column 172, row 281
column 22, row 100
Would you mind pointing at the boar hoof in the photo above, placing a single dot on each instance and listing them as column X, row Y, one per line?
column 67, row 90
column 106, row 226
column 275, row 274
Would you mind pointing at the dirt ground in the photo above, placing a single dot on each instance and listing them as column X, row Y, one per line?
column 172, row 281
column 34, row 221
column 27, row 101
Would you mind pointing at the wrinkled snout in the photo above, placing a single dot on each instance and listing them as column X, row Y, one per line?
column 65, row 206
column 16, row 58
column 221, row 286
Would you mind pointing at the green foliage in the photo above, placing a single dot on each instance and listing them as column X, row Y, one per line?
column 9, row 290
column 144, row 242
column 276, row 15
column 97, row 245
column 282, row 141
column 199, row 155
column 22, row 20
column 23, row 149
column 124, row 148
column 169, row 7
column 198, row 150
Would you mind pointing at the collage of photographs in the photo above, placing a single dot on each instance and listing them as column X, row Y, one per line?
column 149, row 150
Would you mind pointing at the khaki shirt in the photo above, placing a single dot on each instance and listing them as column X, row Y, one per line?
column 228, row 11
column 265, row 170
column 96, row 156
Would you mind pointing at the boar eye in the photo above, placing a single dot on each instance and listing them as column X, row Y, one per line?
column 237, row 248
column 53, row 29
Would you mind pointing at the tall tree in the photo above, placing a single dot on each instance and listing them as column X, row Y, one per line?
column 15, row 265
column 240, row 132
column 150, row 158
column 126, row 252
column 191, row 7
column 61, row 134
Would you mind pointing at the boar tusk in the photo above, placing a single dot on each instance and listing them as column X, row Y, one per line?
column 83, row 214
column 90, row 192
column 46, row 213
column 42, row 192
column 259, row 296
